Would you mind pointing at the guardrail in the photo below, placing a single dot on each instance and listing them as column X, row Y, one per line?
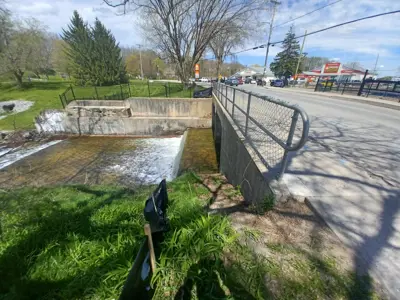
column 270, row 125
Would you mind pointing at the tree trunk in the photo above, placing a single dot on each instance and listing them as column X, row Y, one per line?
column 18, row 76
column 219, row 63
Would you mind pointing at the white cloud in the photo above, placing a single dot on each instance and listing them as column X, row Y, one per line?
column 360, row 41
column 56, row 14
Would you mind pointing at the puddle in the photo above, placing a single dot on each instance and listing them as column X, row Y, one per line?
column 20, row 106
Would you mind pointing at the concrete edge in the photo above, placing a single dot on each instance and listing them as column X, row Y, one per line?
column 260, row 165
column 178, row 159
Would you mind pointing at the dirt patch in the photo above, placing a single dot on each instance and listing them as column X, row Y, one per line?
column 293, row 250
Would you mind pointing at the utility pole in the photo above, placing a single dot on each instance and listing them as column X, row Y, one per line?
column 141, row 63
column 271, row 26
column 376, row 64
column 301, row 53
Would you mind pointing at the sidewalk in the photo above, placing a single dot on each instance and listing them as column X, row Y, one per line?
column 371, row 101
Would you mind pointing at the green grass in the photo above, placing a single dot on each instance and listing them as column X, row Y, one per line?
column 45, row 95
column 79, row 242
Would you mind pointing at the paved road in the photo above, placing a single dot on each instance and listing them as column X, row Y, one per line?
column 350, row 172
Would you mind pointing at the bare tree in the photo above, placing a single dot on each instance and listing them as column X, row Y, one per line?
column 228, row 38
column 5, row 26
column 43, row 53
column 22, row 44
column 182, row 29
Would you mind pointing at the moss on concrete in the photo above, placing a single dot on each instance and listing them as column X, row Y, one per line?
column 199, row 152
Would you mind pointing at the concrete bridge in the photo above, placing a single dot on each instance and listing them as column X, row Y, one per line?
column 255, row 137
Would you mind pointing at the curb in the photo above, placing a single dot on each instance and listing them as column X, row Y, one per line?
column 368, row 102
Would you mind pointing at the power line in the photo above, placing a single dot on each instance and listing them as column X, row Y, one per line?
column 309, row 13
column 321, row 30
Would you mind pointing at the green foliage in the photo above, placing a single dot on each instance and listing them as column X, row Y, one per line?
column 94, row 54
column 285, row 62
column 79, row 242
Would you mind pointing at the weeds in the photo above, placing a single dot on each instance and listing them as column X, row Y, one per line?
column 79, row 242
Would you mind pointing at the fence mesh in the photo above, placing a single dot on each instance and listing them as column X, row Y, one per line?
column 265, row 123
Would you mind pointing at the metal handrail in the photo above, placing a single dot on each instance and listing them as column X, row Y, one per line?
column 286, row 145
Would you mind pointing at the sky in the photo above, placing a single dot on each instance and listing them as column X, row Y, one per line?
column 360, row 42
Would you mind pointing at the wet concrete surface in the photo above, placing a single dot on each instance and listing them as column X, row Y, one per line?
column 199, row 152
column 96, row 160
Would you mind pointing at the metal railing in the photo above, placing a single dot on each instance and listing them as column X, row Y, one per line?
column 270, row 126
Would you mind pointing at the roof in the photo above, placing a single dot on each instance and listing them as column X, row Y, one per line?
column 254, row 71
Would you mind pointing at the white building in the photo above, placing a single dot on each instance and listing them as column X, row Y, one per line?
column 255, row 73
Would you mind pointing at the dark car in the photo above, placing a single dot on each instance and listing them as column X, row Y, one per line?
column 247, row 80
column 232, row 82
column 260, row 82
column 278, row 83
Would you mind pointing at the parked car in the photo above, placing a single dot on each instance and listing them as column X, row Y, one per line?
column 260, row 82
column 247, row 80
column 253, row 81
column 232, row 82
column 204, row 79
column 240, row 80
column 278, row 83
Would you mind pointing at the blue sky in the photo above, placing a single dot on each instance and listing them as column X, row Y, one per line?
column 361, row 41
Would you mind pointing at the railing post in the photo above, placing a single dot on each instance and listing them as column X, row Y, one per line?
column 129, row 89
column 72, row 90
column 362, row 84
column 233, row 102
column 316, row 86
column 62, row 102
column 226, row 97
column 289, row 143
column 97, row 94
column 338, row 87
column 247, row 114
column 369, row 90
column 122, row 93
column 344, row 87
column 148, row 87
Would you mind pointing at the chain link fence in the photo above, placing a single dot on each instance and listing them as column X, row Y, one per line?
column 272, row 127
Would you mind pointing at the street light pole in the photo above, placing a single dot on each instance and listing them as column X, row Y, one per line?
column 271, row 26
column 141, row 63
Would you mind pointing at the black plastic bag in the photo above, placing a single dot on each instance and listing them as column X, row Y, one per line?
column 206, row 93
column 137, row 285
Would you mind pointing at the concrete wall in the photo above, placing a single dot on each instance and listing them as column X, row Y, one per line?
column 174, row 107
column 135, row 116
column 237, row 159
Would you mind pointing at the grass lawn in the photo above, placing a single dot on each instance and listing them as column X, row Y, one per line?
column 79, row 242
column 45, row 95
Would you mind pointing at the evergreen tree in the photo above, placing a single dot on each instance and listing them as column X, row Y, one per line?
column 95, row 56
column 285, row 62
column 80, row 49
column 108, row 66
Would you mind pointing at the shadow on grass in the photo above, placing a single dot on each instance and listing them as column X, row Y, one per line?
column 210, row 277
column 57, row 226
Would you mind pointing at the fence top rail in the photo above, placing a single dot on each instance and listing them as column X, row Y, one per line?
column 295, row 108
